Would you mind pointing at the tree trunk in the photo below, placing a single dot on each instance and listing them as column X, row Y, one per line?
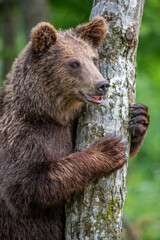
column 96, row 213
column 33, row 12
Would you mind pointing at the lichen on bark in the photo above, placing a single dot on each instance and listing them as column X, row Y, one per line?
column 96, row 213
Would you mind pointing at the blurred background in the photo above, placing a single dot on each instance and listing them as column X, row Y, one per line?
column 17, row 17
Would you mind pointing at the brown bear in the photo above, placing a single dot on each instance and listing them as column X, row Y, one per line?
column 54, row 75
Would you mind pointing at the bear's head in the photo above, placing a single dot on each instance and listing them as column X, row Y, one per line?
column 61, row 68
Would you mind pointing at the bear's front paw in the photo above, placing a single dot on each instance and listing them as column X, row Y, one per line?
column 113, row 149
column 139, row 121
column 115, row 152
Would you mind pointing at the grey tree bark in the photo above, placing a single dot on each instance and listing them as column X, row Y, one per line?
column 96, row 213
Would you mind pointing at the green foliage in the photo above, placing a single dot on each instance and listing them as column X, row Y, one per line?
column 142, row 206
column 70, row 13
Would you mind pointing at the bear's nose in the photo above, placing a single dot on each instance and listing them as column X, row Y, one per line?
column 103, row 87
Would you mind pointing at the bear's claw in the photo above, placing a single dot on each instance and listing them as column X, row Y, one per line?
column 139, row 121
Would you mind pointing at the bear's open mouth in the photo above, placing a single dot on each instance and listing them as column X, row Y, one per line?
column 93, row 99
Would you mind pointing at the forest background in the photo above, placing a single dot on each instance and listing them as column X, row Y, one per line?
column 142, row 205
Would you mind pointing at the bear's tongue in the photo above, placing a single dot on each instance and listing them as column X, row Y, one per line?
column 94, row 99
column 97, row 98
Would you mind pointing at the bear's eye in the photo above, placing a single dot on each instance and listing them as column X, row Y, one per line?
column 74, row 64
column 95, row 60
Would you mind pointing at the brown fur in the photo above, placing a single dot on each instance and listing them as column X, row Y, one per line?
column 138, row 125
column 94, row 31
column 42, row 36
column 39, row 103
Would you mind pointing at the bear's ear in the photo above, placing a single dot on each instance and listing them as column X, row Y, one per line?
column 43, row 36
column 94, row 31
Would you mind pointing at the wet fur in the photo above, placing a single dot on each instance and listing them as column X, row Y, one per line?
column 38, row 108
